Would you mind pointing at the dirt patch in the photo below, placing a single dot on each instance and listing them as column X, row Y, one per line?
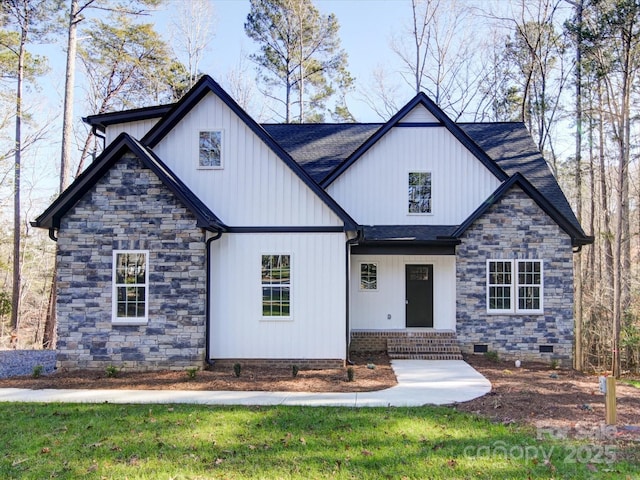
column 558, row 403
column 365, row 379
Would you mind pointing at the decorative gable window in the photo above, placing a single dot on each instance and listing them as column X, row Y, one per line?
column 368, row 276
column 130, row 287
column 210, row 149
column 514, row 286
column 276, row 286
column 420, row 192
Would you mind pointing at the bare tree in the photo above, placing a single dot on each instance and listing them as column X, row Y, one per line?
column 382, row 96
column 440, row 56
column 193, row 26
column 31, row 20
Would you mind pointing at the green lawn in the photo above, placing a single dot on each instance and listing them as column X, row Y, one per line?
column 194, row 442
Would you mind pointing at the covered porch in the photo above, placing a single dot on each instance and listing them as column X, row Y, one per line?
column 402, row 292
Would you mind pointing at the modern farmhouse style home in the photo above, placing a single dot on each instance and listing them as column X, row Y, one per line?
column 199, row 235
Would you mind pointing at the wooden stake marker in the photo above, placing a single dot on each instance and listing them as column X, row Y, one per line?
column 608, row 387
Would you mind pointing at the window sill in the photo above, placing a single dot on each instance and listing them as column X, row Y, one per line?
column 128, row 323
column 520, row 314
column 210, row 168
column 276, row 319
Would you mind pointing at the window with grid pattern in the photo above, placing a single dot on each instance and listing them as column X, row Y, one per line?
column 514, row 286
column 368, row 276
column 130, row 286
column 420, row 192
column 276, row 285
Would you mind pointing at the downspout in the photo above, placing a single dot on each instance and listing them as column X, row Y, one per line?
column 207, row 323
column 351, row 241
column 52, row 234
column 99, row 134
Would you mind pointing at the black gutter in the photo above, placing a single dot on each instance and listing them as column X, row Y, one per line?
column 351, row 241
column 207, row 327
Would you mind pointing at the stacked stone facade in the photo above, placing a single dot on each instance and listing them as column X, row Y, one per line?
column 516, row 228
column 131, row 209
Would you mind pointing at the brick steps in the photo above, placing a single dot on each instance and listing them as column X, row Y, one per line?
column 424, row 346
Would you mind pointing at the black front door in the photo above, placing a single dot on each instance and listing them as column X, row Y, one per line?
column 419, row 295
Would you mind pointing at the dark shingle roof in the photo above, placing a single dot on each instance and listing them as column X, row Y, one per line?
column 319, row 148
column 511, row 146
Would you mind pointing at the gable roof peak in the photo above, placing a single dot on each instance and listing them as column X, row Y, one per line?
column 420, row 98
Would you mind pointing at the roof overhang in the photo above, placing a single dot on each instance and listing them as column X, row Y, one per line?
column 124, row 143
column 407, row 240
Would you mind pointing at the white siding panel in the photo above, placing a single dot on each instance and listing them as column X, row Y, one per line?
column 254, row 187
column 374, row 189
column 316, row 328
column 419, row 115
column 136, row 129
column 370, row 309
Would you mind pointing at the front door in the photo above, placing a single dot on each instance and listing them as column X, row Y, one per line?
column 419, row 295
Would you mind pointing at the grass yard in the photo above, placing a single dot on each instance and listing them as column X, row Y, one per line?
column 196, row 442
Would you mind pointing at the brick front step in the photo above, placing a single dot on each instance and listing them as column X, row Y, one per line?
column 414, row 345
column 433, row 356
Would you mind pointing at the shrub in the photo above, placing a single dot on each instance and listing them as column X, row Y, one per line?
column 351, row 373
column 37, row 371
column 554, row 364
column 237, row 368
column 491, row 355
column 192, row 372
column 294, row 370
column 112, row 371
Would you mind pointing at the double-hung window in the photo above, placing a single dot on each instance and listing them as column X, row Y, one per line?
column 514, row 286
column 130, row 286
column 276, row 286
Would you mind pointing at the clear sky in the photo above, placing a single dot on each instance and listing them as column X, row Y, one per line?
column 366, row 27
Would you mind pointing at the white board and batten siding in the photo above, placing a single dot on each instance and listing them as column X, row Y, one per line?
column 419, row 114
column 254, row 187
column 136, row 129
column 370, row 309
column 315, row 329
column 374, row 190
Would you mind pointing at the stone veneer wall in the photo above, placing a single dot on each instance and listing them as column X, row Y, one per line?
column 516, row 228
column 130, row 209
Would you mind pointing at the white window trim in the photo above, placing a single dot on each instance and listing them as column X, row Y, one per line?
column 288, row 318
column 222, row 148
column 418, row 214
column 115, row 320
column 368, row 290
column 514, row 287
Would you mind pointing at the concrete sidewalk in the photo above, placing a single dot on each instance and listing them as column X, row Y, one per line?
column 420, row 382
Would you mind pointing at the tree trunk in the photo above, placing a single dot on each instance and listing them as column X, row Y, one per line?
column 15, row 298
column 67, row 118
column 578, row 179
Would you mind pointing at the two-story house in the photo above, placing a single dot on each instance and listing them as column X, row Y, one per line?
column 199, row 235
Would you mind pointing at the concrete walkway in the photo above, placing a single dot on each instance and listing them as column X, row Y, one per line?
column 420, row 382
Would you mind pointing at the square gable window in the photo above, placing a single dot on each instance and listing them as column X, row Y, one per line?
column 210, row 149
column 419, row 193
